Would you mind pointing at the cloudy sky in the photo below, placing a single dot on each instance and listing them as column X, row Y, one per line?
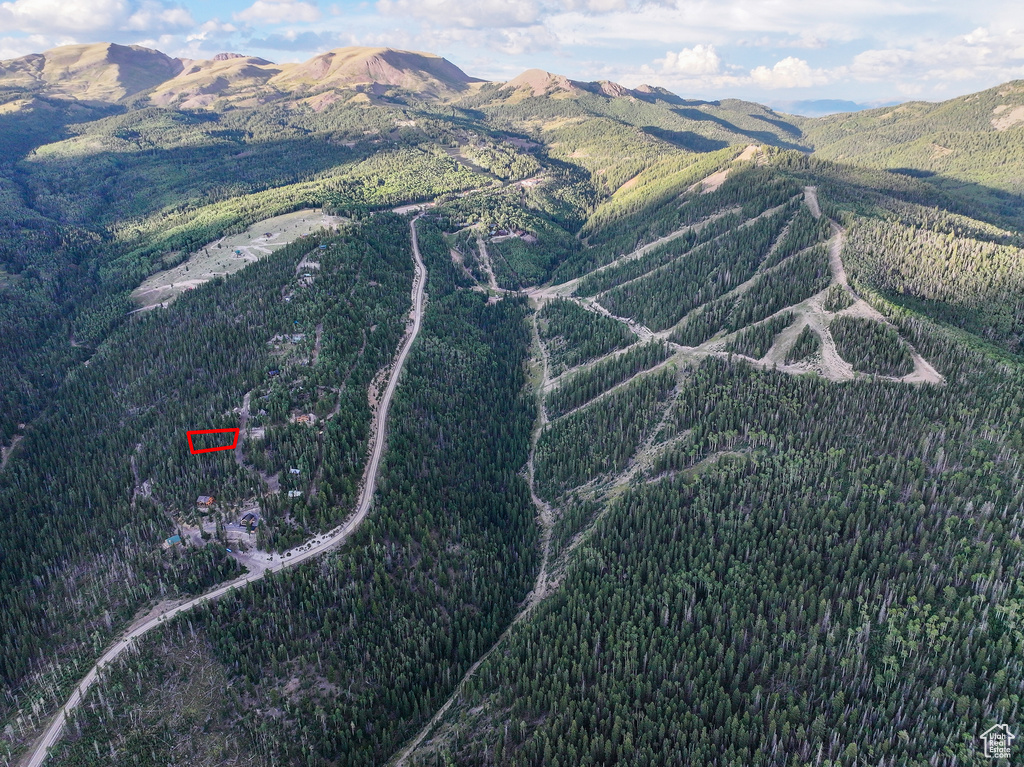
column 869, row 51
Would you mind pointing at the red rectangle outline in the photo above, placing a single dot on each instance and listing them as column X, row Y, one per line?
column 210, row 431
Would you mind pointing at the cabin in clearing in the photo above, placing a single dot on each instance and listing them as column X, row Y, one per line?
column 250, row 518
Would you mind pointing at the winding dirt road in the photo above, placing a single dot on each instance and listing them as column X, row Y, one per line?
column 317, row 545
column 5, row 452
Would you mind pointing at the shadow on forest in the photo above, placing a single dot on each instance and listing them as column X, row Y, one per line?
column 144, row 181
column 694, row 142
column 763, row 137
column 913, row 172
column 781, row 125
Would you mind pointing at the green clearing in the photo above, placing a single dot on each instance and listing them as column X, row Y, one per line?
column 227, row 255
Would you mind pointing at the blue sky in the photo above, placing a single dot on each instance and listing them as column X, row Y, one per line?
column 869, row 51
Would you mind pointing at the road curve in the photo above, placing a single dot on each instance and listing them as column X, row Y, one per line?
column 317, row 545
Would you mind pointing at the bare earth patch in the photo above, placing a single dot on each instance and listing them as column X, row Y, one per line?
column 715, row 180
column 228, row 255
column 5, row 452
column 1007, row 119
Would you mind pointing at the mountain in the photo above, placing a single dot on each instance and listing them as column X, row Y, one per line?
column 110, row 72
column 537, row 82
column 98, row 72
column 971, row 143
column 615, row 132
column 201, row 83
column 375, row 69
column 576, row 424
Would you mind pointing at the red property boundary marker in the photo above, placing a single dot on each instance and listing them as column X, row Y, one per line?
column 211, row 431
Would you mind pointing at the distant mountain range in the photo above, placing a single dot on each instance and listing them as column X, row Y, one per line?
column 941, row 141
column 819, row 107
column 971, row 140
column 109, row 73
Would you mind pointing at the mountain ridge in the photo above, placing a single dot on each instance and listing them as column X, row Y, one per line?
column 111, row 72
column 96, row 72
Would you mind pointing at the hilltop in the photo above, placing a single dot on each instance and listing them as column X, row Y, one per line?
column 972, row 143
column 100, row 72
column 226, row 78
column 375, row 69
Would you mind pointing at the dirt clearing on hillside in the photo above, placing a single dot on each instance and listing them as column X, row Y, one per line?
column 715, row 180
column 228, row 255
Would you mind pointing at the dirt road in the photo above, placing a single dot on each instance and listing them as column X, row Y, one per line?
column 811, row 198
column 5, row 452
column 485, row 262
column 312, row 548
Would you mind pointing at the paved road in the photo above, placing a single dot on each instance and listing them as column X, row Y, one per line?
column 308, row 550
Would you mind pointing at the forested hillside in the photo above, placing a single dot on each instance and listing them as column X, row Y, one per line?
column 970, row 146
column 813, row 584
column 106, row 474
column 754, row 565
column 705, row 449
column 368, row 642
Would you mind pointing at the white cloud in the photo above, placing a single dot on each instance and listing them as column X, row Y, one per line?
column 481, row 41
column 878, row 64
column 448, row 13
column 791, row 72
column 55, row 15
column 523, row 40
column 698, row 60
column 601, row 6
column 700, row 69
column 981, row 53
column 210, row 29
column 162, row 43
column 95, row 18
column 279, row 11
column 153, row 16
column 15, row 47
column 935, row 67
column 724, row 22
